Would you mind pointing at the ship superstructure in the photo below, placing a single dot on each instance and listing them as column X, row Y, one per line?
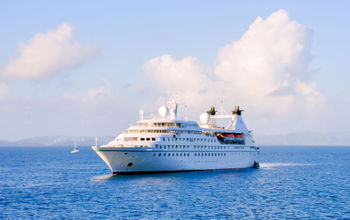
column 167, row 144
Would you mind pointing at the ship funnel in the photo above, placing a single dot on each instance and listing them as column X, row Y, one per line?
column 237, row 111
column 212, row 111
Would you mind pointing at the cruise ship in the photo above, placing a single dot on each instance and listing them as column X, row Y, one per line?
column 168, row 144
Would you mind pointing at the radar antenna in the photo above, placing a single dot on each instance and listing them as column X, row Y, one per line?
column 222, row 110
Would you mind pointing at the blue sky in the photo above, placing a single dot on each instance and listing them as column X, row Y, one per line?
column 126, row 35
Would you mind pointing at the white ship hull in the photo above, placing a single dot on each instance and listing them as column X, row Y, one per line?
column 134, row 160
column 167, row 144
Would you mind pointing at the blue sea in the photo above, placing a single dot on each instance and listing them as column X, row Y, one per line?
column 293, row 182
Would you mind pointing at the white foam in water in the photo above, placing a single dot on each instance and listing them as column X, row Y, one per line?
column 274, row 165
column 102, row 177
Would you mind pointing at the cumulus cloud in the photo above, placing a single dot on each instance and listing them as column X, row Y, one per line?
column 186, row 77
column 92, row 95
column 48, row 53
column 267, row 69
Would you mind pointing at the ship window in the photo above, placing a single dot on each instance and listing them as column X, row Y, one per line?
column 215, row 154
column 188, row 154
column 164, row 154
column 168, row 154
column 147, row 139
column 165, row 147
column 153, row 139
column 202, row 154
column 163, row 139
column 142, row 139
column 205, row 154
column 159, row 154
column 177, row 154
column 154, row 154
column 160, row 146
column 176, row 146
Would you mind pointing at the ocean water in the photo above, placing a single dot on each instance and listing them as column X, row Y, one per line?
column 293, row 182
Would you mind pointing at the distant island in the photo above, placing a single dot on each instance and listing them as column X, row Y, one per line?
column 57, row 141
column 302, row 139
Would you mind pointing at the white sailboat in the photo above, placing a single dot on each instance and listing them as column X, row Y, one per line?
column 75, row 149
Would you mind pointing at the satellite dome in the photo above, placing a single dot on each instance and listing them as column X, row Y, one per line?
column 163, row 111
column 204, row 118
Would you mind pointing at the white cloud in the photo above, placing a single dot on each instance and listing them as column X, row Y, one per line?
column 4, row 89
column 266, row 71
column 92, row 95
column 185, row 77
column 47, row 53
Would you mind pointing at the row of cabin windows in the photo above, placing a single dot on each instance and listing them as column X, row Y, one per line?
column 161, row 124
column 188, row 154
column 172, row 139
column 147, row 139
column 188, row 146
column 191, row 139
column 161, row 131
column 195, row 147
column 149, row 131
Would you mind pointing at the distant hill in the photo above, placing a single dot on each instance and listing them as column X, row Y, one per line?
column 317, row 138
column 57, row 141
column 325, row 139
